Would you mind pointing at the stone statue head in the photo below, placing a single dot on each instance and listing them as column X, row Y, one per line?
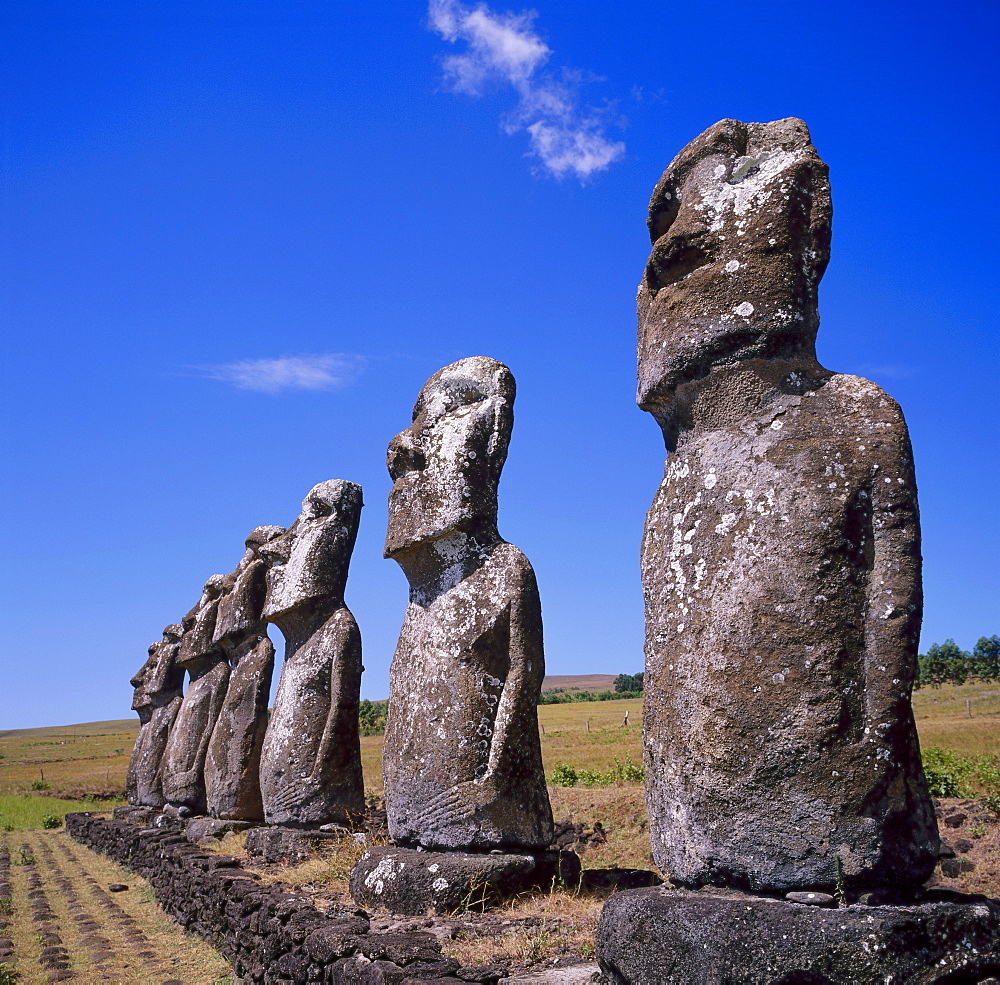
column 240, row 609
column 446, row 466
column 199, row 624
column 740, row 227
column 159, row 677
column 309, row 561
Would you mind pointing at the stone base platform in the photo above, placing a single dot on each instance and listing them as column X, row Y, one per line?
column 403, row 880
column 680, row 937
column 274, row 843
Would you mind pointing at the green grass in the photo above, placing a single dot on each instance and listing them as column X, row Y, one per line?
column 25, row 812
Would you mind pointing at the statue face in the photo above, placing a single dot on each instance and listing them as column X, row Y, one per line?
column 446, row 466
column 159, row 676
column 196, row 643
column 141, row 697
column 240, row 610
column 310, row 560
column 740, row 225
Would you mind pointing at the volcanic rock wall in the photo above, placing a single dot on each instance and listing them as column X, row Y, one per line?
column 270, row 933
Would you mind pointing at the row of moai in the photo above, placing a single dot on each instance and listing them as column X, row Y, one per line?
column 463, row 766
column 781, row 572
column 215, row 749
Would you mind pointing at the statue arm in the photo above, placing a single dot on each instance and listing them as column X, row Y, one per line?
column 515, row 732
column 339, row 745
column 894, row 601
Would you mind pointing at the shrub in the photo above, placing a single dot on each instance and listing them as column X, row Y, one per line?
column 39, row 785
column 620, row 772
column 52, row 821
column 950, row 774
column 563, row 776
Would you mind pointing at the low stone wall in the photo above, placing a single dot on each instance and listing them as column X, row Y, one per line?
column 268, row 931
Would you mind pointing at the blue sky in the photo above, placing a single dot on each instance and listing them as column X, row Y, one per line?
column 238, row 237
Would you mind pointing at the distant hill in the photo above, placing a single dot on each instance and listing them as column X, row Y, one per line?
column 579, row 682
column 125, row 726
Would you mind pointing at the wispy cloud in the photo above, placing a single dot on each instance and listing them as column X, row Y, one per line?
column 889, row 371
column 324, row 371
column 504, row 49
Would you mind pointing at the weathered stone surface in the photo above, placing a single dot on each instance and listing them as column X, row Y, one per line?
column 781, row 556
column 157, row 700
column 187, row 745
column 282, row 844
column 311, row 761
column 679, row 937
column 211, row 828
column 580, row 974
column 618, row 879
column 462, row 761
column 404, row 880
column 232, row 762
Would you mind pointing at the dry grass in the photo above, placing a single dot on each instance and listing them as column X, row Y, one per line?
column 371, row 764
column 141, row 943
column 943, row 717
column 531, row 931
column 72, row 759
column 325, row 877
column 622, row 811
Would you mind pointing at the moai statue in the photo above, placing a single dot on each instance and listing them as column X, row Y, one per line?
column 781, row 556
column 232, row 763
column 157, row 699
column 781, row 569
column 205, row 662
column 462, row 760
column 310, row 769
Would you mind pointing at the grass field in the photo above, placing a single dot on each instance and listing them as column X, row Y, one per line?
column 92, row 758
column 943, row 718
column 74, row 760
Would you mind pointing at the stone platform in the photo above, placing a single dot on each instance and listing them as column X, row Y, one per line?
column 403, row 880
column 713, row 937
column 274, row 843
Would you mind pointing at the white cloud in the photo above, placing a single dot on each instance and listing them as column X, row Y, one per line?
column 889, row 371
column 504, row 49
column 325, row 371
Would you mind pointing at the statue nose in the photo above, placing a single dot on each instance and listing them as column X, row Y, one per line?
column 276, row 551
column 403, row 456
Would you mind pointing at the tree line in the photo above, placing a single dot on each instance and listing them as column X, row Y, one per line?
column 946, row 663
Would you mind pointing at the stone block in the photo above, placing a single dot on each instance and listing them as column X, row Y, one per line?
column 274, row 843
column 679, row 937
column 202, row 828
column 407, row 881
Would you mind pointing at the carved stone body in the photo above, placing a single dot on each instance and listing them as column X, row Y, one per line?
column 187, row 746
column 462, row 760
column 232, row 762
column 157, row 699
column 781, row 556
column 311, row 760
